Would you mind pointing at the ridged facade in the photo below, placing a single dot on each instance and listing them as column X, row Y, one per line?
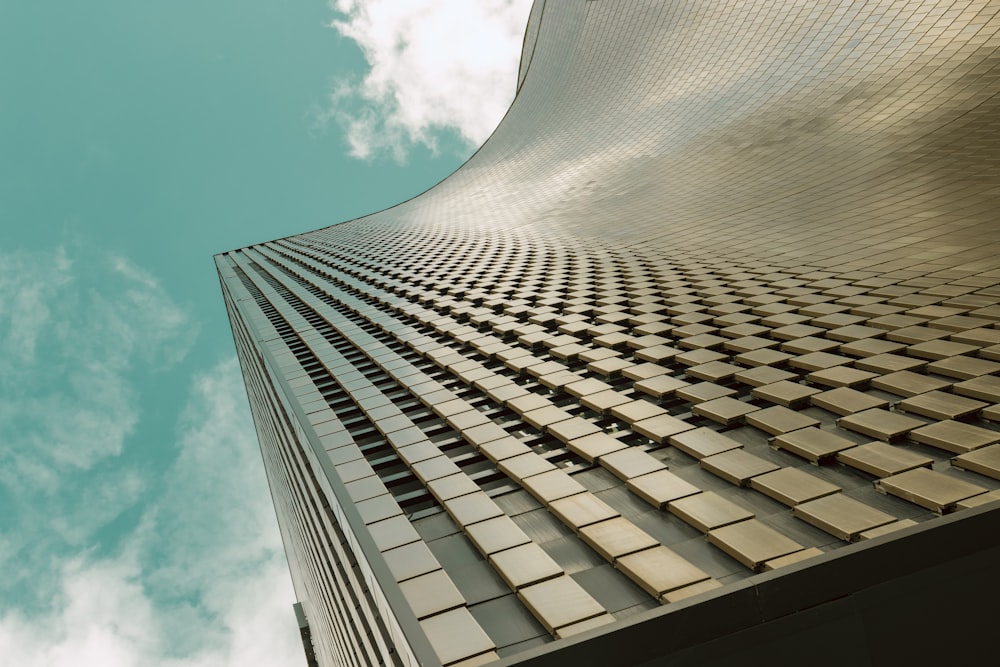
column 721, row 294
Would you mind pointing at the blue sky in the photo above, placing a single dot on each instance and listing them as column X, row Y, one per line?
column 137, row 139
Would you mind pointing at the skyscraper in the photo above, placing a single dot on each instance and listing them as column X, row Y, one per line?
column 697, row 356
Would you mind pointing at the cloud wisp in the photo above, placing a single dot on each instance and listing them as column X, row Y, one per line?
column 137, row 529
column 74, row 336
column 200, row 583
column 80, row 331
column 435, row 67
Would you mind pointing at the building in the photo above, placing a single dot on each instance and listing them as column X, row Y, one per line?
column 697, row 356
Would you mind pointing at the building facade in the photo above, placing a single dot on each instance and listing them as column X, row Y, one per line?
column 697, row 356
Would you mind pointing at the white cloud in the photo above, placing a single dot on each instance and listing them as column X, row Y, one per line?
column 434, row 65
column 105, row 618
column 211, row 543
column 98, row 320
column 81, row 334
column 29, row 283
column 201, row 583
column 127, row 545
column 215, row 493
column 136, row 321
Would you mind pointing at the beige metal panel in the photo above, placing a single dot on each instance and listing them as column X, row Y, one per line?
column 842, row 516
column 752, row 542
column 929, row 488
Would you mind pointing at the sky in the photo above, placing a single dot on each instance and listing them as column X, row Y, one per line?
column 137, row 139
